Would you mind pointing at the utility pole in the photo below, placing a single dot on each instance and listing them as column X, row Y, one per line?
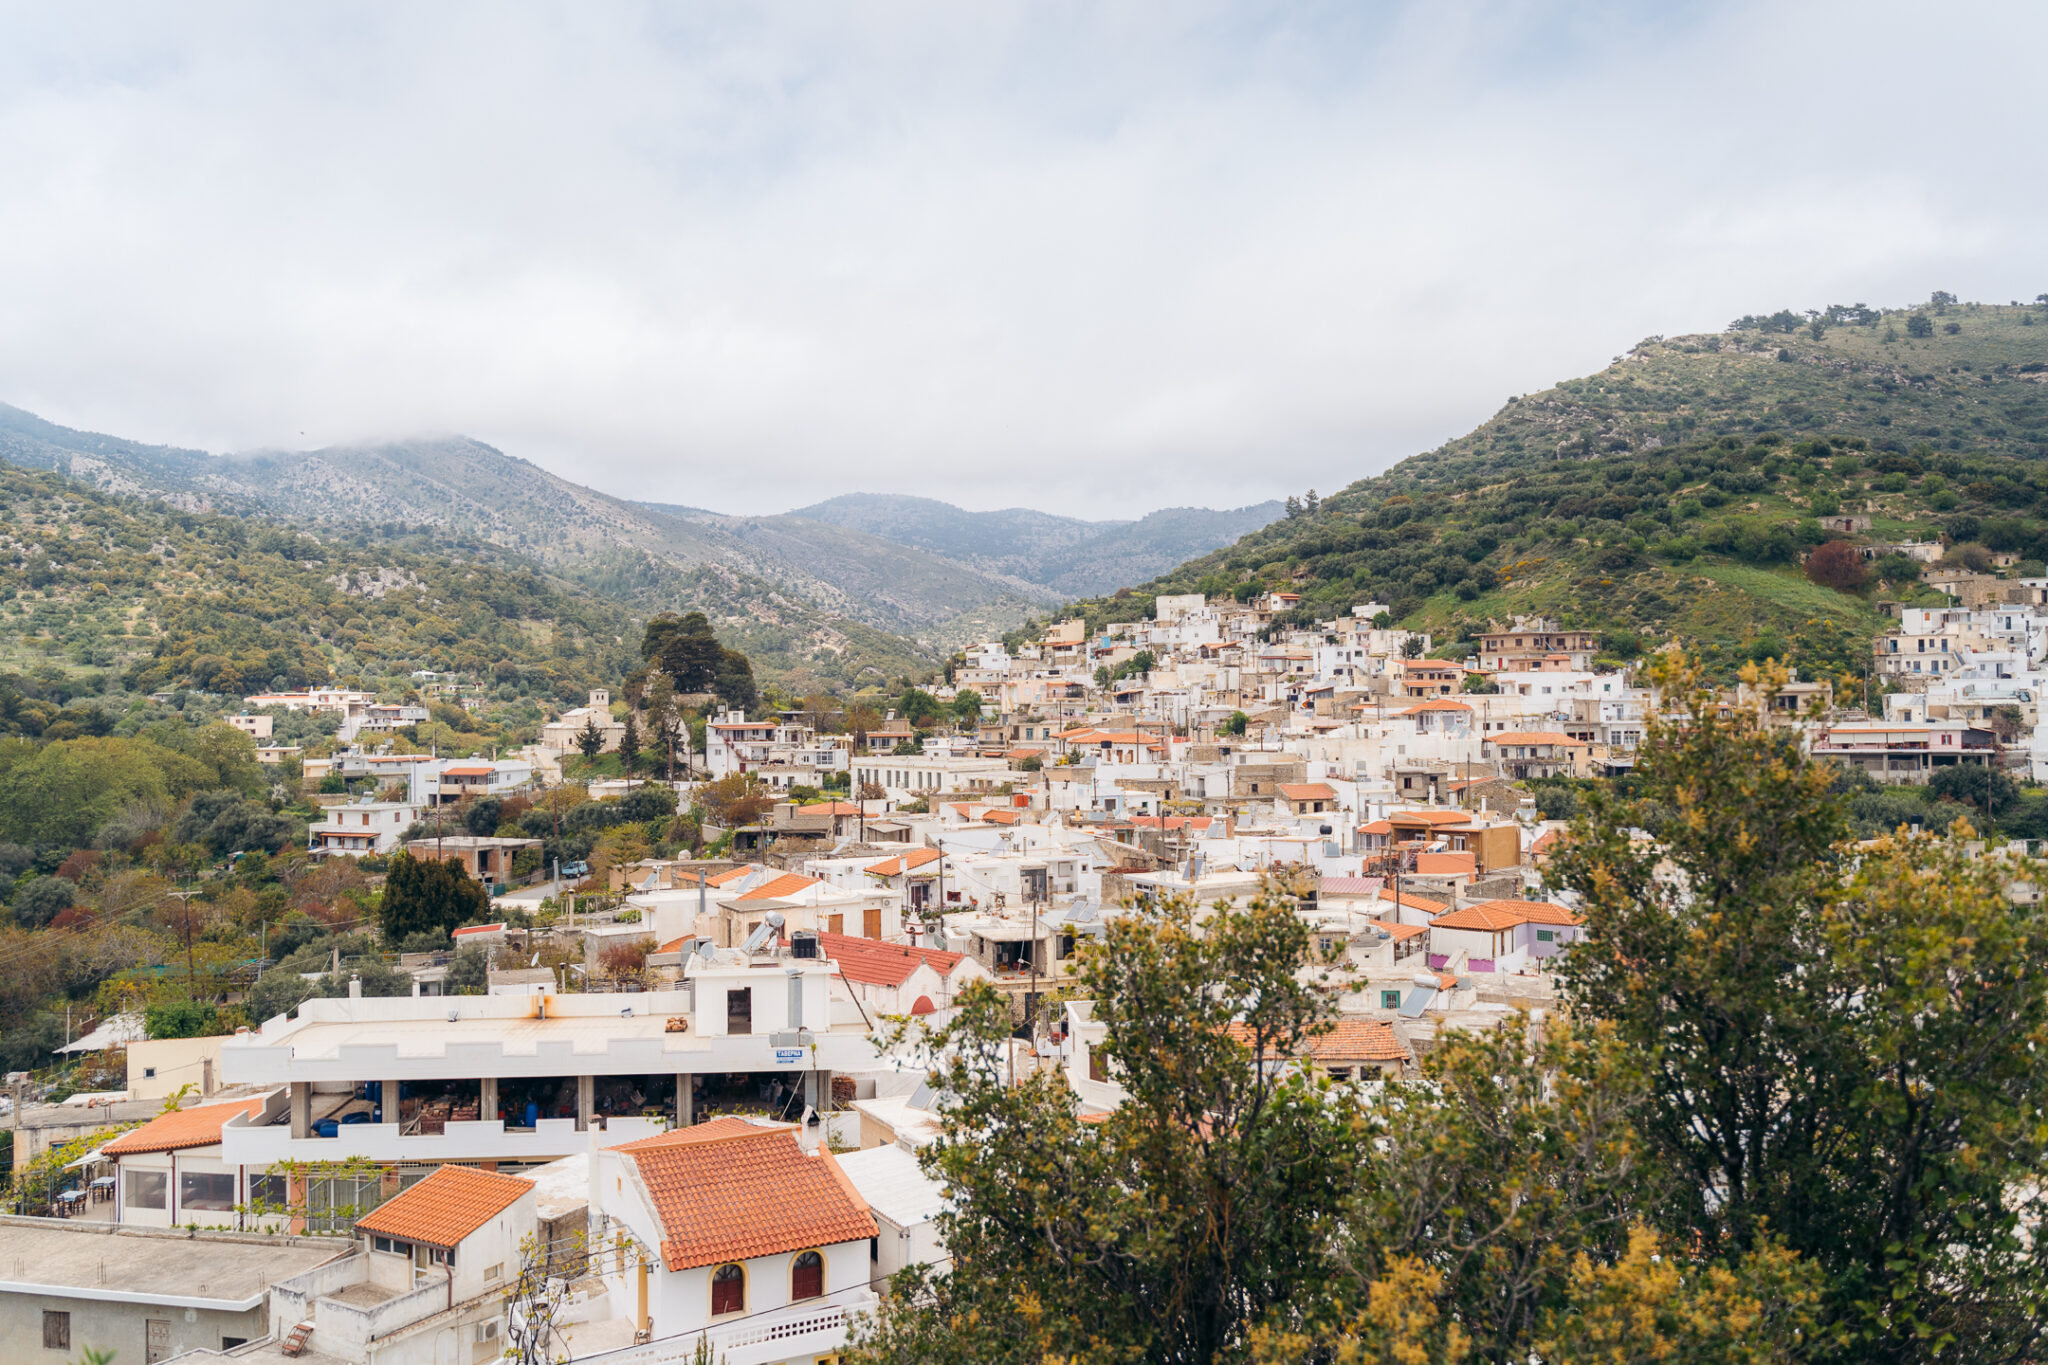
column 184, row 899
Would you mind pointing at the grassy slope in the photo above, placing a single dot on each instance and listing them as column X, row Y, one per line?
column 1583, row 501
column 92, row 582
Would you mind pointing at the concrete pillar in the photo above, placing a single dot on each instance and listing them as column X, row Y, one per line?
column 302, row 1109
column 392, row 1112
column 685, row 1101
column 586, row 1100
column 818, row 1090
column 487, row 1098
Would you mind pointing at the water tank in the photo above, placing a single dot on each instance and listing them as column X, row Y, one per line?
column 803, row 943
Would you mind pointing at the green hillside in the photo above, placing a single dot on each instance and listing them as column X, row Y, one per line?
column 105, row 590
column 1674, row 494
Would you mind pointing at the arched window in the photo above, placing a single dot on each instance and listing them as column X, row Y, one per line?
column 806, row 1276
column 728, row 1290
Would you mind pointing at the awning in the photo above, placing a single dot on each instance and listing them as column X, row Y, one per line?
column 96, row 1154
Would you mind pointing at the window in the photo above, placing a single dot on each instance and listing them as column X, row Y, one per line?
column 806, row 1276
column 1096, row 1070
column 148, row 1072
column 739, row 1009
column 56, row 1331
column 728, row 1290
column 1546, row 936
column 492, row 1272
column 146, row 1189
column 268, row 1191
column 206, row 1190
column 1390, row 1000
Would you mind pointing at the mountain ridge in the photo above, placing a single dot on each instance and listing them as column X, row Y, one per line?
column 1065, row 555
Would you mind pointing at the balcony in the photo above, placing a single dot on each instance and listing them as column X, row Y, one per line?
column 474, row 1140
column 800, row 1332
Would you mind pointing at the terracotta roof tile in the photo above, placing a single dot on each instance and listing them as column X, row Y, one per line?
column 181, row 1128
column 1414, row 902
column 729, row 1190
column 882, row 964
column 907, row 862
column 1550, row 737
column 1308, row 791
column 1348, row 1040
column 447, row 1206
column 1505, row 914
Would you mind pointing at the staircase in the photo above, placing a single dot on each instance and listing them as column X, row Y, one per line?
column 294, row 1343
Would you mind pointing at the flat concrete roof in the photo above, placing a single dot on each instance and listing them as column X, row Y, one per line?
column 225, row 1271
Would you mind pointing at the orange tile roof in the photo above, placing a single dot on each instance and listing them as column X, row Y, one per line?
column 1535, row 737
column 1348, row 1040
column 830, row 808
column 728, row 1190
column 1436, row 704
column 999, row 817
column 1376, row 827
column 788, row 884
column 181, row 1128
column 1545, row 842
column 882, row 964
column 907, row 862
column 468, row 770
column 732, row 874
column 1414, row 902
column 447, row 1206
column 1308, row 791
column 1505, row 914
column 1398, row 931
column 1432, row 817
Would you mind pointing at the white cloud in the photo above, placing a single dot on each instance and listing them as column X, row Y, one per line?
column 1102, row 259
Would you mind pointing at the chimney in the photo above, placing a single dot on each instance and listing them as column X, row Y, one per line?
column 355, row 987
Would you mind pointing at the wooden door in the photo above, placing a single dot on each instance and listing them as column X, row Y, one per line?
column 835, row 924
column 871, row 922
column 156, row 1340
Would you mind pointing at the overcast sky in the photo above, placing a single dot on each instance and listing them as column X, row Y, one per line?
column 1096, row 259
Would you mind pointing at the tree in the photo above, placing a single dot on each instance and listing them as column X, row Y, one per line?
column 667, row 721
column 1194, row 1210
column 689, row 653
column 917, row 706
column 1919, row 325
column 41, row 899
column 1840, row 1056
column 733, row 800
column 279, row 992
column 483, row 816
column 427, row 894
column 1479, row 684
column 967, row 706
column 1988, row 789
column 1233, row 724
column 1837, row 564
column 629, row 745
column 469, row 970
column 227, row 822
column 181, row 1019
column 590, row 739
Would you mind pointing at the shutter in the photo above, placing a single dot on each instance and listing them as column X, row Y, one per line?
column 871, row 922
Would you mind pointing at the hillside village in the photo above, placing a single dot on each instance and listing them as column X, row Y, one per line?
column 696, row 1123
